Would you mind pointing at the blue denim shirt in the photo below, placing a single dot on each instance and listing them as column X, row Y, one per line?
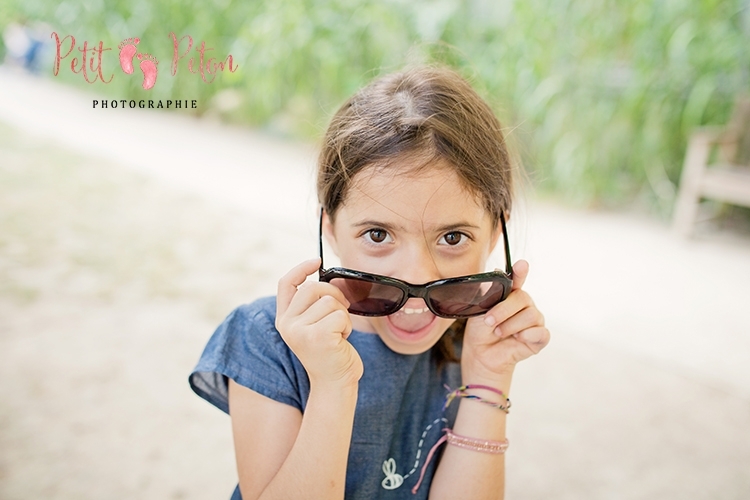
column 398, row 417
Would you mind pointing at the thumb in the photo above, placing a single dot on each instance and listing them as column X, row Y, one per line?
column 520, row 271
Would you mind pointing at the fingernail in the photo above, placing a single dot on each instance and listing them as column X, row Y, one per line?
column 489, row 321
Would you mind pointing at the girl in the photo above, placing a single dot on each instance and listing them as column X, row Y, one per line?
column 337, row 388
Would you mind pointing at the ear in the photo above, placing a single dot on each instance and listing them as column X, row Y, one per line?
column 329, row 233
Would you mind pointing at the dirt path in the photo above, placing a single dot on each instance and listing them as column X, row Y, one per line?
column 116, row 267
column 110, row 286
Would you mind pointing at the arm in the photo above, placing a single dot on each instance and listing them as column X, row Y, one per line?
column 276, row 445
column 464, row 473
column 514, row 331
column 282, row 453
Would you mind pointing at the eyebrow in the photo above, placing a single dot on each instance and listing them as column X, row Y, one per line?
column 438, row 229
column 375, row 223
column 457, row 225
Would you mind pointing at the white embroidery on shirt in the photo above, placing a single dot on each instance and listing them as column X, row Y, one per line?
column 392, row 479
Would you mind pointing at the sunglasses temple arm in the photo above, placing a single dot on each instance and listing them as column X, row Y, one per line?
column 320, row 238
column 508, row 265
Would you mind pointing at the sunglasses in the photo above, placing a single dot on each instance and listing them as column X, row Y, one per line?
column 460, row 297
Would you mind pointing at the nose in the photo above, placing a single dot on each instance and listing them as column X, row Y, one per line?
column 416, row 265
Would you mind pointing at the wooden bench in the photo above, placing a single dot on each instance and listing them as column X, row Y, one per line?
column 717, row 166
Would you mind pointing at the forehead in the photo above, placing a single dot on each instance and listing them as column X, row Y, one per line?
column 402, row 193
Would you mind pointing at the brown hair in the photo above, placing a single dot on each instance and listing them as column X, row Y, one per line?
column 431, row 112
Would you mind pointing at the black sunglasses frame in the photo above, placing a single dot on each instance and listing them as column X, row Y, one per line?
column 420, row 291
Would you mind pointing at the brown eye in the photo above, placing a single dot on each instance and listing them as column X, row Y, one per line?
column 453, row 238
column 377, row 235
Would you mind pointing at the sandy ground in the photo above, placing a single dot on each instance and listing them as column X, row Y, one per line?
column 126, row 237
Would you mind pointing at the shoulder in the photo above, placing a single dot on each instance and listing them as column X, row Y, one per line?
column 259, row 316
column 248, row 325
column 247, row 348
column 249, row 330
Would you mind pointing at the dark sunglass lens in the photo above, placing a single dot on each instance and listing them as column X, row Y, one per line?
column 466, row 299
column 367, row 298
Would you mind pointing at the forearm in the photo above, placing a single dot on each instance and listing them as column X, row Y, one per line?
column 466, row 473
column 316, row 465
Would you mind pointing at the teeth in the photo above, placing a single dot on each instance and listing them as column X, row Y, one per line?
column 415, row 311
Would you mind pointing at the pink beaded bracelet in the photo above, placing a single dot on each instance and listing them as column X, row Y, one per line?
column 483, row 445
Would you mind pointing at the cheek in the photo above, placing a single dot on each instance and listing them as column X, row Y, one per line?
column 470, row 263
column 445, row 323
column 347, row 253
column 355, row 255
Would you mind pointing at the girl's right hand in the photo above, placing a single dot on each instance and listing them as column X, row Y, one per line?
column 313, row 320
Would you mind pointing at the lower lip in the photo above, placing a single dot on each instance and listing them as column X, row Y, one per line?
column 410, row 337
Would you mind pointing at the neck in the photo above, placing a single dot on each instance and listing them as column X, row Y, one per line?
column 362, row 324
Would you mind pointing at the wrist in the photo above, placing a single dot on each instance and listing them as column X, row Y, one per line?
column 498, row 380
column 338, row 389
column 482, row 421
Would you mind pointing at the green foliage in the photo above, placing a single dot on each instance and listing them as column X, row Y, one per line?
column 607, row 92
column 600, row 95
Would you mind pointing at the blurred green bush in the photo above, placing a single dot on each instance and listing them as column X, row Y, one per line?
column 599, row 96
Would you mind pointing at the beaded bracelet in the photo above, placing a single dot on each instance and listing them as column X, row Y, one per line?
column 461, row 393
column 483, row 445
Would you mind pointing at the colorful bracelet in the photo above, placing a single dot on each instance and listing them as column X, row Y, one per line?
column 483, row 445
column 461, row 393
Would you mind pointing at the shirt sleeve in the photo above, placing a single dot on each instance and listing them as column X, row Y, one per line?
column 247, row 348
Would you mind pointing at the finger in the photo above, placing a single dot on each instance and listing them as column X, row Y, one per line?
column 519, row 322
column 312, row 291
column 337, row 321
column 520, row 271
column 535, row 339
column 288, row 284
column 321, row 308
column 516, row 301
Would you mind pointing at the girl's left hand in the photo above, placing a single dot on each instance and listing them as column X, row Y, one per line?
column 508, row 333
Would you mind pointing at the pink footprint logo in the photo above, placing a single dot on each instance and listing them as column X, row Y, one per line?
column 127, row 51
column 149, row 68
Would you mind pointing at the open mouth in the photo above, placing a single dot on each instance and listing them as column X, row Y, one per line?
column 411, row 324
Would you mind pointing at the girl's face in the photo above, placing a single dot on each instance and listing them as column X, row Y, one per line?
column 417, row 227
